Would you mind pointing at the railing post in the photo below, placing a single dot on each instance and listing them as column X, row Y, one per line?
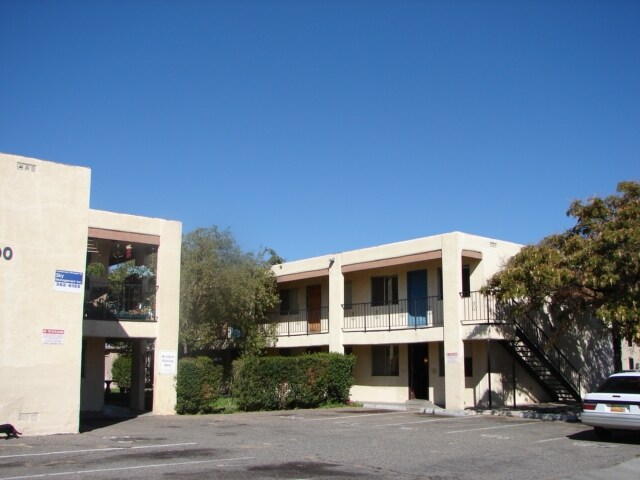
column 365, row 322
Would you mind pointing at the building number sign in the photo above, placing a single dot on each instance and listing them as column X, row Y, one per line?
column 6, row 253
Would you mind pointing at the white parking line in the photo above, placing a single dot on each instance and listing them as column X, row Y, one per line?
column 98, row 450
column 136, row 467
column 414, row 422
column 551, row 439
column 491, row 428
column 353, row 416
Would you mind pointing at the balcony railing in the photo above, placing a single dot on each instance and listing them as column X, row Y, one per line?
column 133, row 302
column 301, row 322
column 478, row 308
column 401, row 315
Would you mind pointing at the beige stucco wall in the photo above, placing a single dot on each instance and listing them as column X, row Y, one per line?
column 43, row 219
column 44, row 222
column 449, row 252
column 369, row 388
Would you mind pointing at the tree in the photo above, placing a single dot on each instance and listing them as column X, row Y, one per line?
column 592, row 268
column 225, row 293
column 121, row 371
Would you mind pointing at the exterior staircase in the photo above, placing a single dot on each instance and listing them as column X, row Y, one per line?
column 545, row 362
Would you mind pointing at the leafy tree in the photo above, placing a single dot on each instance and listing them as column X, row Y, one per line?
column 592, row 268
column 225, row 293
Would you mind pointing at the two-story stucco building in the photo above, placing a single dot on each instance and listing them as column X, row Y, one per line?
column 55, row 319
column 413, row 315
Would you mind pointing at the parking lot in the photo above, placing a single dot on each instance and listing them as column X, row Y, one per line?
column 320, row 444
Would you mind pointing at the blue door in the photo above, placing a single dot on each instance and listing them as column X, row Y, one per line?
column 417, row 297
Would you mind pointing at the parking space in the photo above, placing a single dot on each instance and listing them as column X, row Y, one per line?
column 328, row 444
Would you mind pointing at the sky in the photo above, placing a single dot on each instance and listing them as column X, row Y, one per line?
column 317, row 127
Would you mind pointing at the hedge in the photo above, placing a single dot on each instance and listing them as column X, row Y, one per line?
column 278, row 383
column 197, row 385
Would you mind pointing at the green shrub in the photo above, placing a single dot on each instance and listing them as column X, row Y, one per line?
column 197, row 385
column 307, row 381
column 121, row 371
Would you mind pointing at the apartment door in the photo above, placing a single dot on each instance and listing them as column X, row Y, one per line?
column 417, row 297
column 314, row 307
column 419, row 371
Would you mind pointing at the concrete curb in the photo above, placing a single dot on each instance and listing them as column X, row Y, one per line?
column 435, row 410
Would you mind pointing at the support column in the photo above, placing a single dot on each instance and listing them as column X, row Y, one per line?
column 93, row 386
column 137, row 375
column 336, row 299
column 453, row 344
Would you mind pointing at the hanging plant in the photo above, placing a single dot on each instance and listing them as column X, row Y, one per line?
column 96, row 270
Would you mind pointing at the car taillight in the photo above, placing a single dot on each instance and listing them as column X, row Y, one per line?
column 588, row 406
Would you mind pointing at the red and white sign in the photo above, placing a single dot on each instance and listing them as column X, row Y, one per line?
column 52, row 336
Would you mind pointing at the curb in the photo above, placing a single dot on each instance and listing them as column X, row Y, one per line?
column 435, row 410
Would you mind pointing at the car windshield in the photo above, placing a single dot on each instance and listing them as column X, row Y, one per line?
column 621, row 385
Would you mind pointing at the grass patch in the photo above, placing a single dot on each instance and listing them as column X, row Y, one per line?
column 225, row 405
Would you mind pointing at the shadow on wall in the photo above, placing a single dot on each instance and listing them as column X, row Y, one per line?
column 586, row 343
column 501, row 393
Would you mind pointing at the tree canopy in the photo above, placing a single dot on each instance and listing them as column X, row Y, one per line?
column 593, row 267
column 225, row 293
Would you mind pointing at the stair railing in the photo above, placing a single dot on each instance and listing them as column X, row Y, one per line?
column 551, row 353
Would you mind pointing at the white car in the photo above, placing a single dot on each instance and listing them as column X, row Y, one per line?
column 615, row 405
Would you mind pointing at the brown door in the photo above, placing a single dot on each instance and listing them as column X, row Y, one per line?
column 314, row 306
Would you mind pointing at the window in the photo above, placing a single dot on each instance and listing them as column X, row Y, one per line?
column 288, row 301
column 384, row 290
column 440, row 284
column 631, row 363
column 466, row 281
column 348, row 300
column 384, row 360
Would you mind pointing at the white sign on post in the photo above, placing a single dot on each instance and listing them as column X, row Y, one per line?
column 168, row 362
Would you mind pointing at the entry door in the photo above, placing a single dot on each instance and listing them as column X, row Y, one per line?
column 314, row 307
column 419, row 371
column 417, row 297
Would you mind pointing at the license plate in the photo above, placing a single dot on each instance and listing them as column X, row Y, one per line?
column 617, row 409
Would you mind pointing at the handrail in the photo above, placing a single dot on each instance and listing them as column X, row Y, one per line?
column 401, row 314
column 551, row 353
column 135, row 302
column 479, row 308
column 300, row 322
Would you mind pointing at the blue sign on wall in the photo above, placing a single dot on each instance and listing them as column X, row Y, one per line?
column 67, row 281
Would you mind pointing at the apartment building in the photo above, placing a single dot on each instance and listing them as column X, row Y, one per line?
column 59, row 304
column 413, row 314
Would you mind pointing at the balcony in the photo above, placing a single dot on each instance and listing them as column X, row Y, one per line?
column 401, row 315
column 478, row 308
column 132, row 302
column 301, row 322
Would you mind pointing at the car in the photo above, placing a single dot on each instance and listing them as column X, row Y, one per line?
column 615, row 405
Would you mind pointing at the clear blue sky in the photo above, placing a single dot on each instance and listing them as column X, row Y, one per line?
column 314, row 127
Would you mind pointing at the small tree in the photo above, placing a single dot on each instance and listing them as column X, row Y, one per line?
column 225, row 294
column 121, row 371
column 593, row 267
